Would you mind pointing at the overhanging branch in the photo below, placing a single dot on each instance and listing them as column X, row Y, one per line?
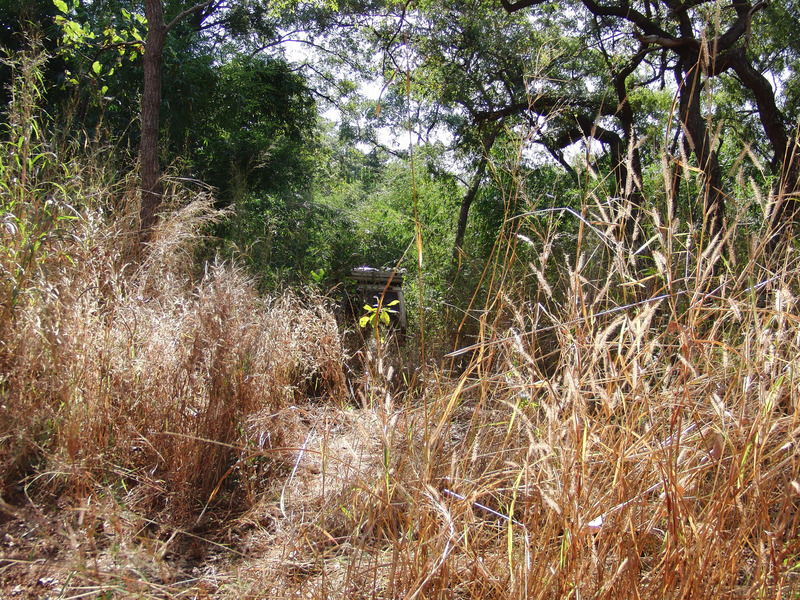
column 515, row 6
column 189, row 11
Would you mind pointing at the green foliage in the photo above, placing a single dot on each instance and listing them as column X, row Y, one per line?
column 255, row 131
column 284, row 239
column 378, row 317
column 317, row 276
column 34, row 184
column 95, row 49
column 376, row 194
column 19, row 19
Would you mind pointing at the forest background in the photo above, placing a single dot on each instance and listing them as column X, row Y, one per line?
column 558, row 97
column 594, row 205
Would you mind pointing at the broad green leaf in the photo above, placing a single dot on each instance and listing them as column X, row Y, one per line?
column 97, row 67
column 72, row 31
column 61, row 5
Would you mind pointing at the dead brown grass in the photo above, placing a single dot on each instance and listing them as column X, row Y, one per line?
column 139, row 369
column 157, row 423
column 618, row 445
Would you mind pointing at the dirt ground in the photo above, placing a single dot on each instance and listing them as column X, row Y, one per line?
column 293, row 541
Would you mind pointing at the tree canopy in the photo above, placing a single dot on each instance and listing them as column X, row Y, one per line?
column 624, row 91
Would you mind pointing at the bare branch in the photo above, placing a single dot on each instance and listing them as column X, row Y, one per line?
column 669, row 42
column 189, row 11
column 512, row 7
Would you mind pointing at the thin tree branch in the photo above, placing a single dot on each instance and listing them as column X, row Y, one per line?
column 511, row 7
column 182, row 15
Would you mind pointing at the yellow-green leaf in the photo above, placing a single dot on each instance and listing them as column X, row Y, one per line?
column 97, row 67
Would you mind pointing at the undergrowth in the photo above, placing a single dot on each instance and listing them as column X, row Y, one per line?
column 137, row 379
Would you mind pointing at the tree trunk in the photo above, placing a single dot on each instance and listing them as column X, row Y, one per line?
column 466, row 202
column 630, row 164
column 701, row 144
column 785, row 160
column 472, row 192
column 149, row 169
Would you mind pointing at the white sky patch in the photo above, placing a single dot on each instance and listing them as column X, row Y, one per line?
column 298, row 52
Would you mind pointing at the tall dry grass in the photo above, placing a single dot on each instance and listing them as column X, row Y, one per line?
column 134, row 377
column 136, row 380
column 614, row 434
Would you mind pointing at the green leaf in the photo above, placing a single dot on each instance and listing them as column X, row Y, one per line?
column 61, row 5
column 72, row 31
column 362, row 322
column 97, row 67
